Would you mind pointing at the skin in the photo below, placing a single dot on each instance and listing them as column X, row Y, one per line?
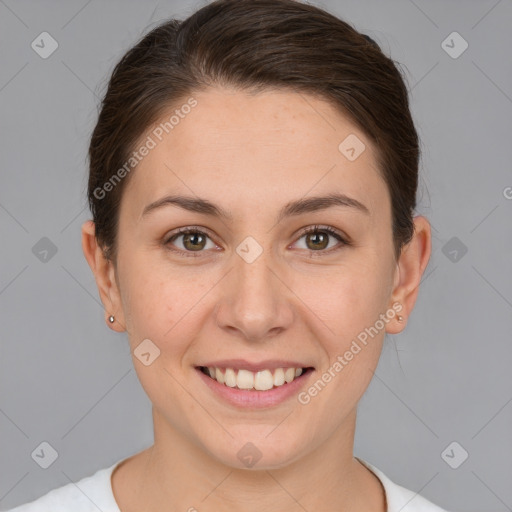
column 252, row 154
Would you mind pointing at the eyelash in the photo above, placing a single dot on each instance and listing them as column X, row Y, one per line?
column 312, row 229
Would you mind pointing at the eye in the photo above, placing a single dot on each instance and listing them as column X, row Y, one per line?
column 320, row 239
column 193, row 241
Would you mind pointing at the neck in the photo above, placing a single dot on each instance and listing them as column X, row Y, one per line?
column 181, row 474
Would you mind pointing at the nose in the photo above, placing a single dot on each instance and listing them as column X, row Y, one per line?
column 255, row 303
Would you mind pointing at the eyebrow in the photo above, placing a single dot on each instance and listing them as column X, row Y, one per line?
column 293, row 208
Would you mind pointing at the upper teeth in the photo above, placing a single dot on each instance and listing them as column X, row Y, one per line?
column 260, row 381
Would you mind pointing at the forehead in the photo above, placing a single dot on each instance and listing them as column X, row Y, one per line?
column 256, row 148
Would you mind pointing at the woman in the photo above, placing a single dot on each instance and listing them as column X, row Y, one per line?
column 253, row 174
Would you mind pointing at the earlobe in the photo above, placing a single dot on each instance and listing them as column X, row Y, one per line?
column 410, row 267
column 103, row 271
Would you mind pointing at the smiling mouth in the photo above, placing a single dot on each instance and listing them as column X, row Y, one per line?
column 254, row 381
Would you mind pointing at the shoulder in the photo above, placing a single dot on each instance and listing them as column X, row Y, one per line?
column 399, row 498
column 89, row 494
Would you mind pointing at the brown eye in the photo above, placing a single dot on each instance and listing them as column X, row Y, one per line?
column 317, row 238
column 193, row 240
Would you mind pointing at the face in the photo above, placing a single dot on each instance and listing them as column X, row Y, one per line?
column 252, row 289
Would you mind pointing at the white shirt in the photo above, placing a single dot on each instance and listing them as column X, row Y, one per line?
column 94, row 493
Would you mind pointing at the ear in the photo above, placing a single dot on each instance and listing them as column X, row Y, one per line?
column 104, row 274
column 410, row 267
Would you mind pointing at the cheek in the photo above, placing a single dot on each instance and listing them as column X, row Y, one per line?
column 351, row 298
column 356, row 296
column 149, row 301
column 165, row 306
column 157, row 312
column 351, row 310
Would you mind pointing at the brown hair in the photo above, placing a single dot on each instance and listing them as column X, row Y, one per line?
column 255, row 45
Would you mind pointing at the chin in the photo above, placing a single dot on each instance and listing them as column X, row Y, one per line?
column 254, row 449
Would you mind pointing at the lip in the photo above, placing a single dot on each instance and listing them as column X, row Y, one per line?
column 252, row 399
column 268, row 364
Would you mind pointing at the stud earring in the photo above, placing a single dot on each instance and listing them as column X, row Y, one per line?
column 400, row 318
column 111, row 319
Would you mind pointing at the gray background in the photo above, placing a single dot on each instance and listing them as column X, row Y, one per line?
column 67, row 379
